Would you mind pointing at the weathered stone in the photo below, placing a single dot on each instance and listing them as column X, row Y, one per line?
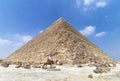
column 90, row 76
column 103, row 65
column 26, row 65
column 36, row 65
column 8, row 62
column 19, row 64
column 101, row 69
column 5, row 64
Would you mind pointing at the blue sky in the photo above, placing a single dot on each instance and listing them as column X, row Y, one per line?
column 98, row 20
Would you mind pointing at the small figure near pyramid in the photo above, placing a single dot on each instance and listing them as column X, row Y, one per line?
column 49, row 62
column 50, row 59
column 66, row 44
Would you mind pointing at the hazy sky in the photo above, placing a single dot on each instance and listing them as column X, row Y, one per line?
column 98, row 20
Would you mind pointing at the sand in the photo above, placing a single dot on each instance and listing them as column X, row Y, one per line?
column 67, row 73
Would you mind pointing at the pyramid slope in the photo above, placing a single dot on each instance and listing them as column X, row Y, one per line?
column 64, row 42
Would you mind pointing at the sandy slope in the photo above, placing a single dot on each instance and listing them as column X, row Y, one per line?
column 67, row 73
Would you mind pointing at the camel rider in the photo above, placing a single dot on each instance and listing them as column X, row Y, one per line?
column 50, row 59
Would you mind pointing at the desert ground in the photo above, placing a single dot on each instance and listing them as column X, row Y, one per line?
column 66, row 73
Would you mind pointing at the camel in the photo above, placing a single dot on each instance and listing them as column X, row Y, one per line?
column 49, row 62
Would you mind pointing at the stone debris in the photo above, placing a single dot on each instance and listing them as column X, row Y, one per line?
column 103, row 68
column 90, row 76
column 36, row 65
column 5, row 64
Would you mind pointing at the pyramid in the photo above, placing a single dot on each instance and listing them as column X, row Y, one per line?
column 65, row 44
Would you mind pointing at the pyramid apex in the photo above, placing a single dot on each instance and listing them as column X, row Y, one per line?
column 60, row 19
